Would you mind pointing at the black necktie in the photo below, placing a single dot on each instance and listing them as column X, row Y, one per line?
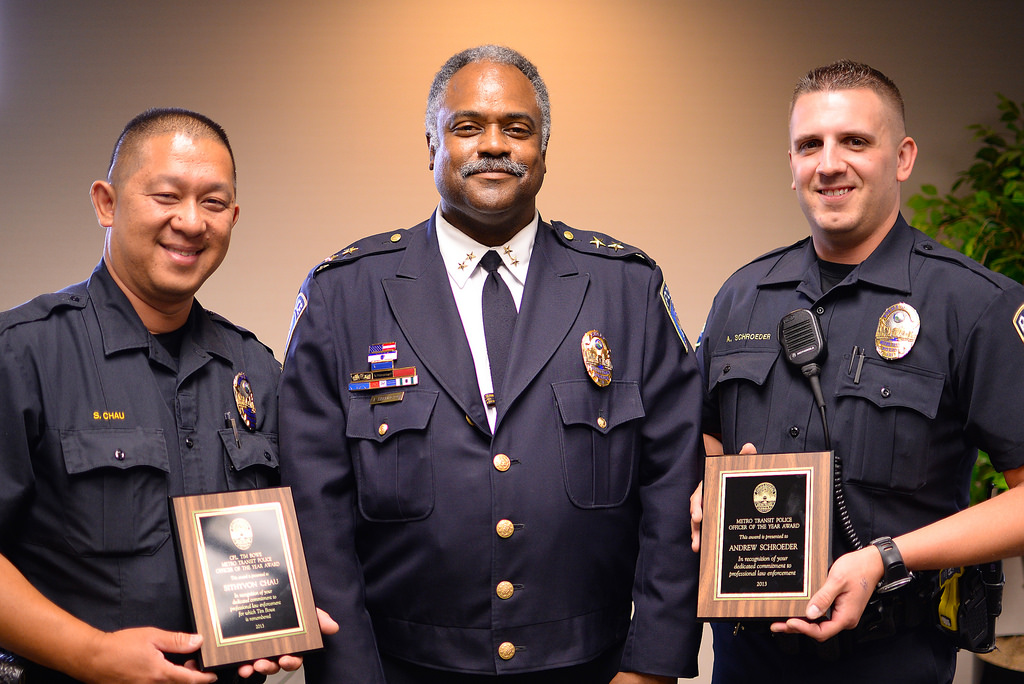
column 499, row 319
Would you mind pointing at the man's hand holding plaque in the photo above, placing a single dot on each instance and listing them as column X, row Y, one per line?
column 851, row 581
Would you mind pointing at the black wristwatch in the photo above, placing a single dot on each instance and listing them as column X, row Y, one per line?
column 896, row 574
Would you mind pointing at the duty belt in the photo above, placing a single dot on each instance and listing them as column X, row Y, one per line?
column 886, row 615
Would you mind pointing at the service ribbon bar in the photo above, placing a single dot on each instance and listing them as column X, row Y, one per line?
column 383, row 384
column 363, row 376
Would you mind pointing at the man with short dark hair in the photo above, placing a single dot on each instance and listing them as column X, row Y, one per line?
column 118, row 392
column 925, row 350
column 490, row 424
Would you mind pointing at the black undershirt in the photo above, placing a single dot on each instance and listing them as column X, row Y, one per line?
column 167, row 376
column 832, row 273
column 171, row 342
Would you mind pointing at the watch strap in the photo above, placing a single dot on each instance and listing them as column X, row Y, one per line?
column 896, row 574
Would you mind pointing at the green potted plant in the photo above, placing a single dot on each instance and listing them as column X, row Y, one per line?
column 983, row 216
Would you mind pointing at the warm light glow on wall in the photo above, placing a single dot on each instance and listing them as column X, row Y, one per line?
column 669, row 121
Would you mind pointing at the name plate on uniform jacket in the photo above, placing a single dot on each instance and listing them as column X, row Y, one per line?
column 248, row 585
column 766, row 538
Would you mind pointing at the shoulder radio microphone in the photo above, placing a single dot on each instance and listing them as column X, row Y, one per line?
column 803, row 345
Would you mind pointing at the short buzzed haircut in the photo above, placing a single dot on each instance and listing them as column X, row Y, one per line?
column 848, row 75
column 162, row 121
column 497, row 54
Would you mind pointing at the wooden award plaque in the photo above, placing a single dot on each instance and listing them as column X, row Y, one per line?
column 246, row 574
column 766, row 537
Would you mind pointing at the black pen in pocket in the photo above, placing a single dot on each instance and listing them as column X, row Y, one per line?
column 230, row 422
column 858, row 354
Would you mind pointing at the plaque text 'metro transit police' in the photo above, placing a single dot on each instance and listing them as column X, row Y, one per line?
column 246, row 575
column 766, row 534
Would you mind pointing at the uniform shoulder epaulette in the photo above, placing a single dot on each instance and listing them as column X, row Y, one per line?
column 591, row 242
column 799, row 244
column 931, row 248
column 40, row 307
column 770, row 256
column 217, row 318
column 244, row 332
column 380, row 243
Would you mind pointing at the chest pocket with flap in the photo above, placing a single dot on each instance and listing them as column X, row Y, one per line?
column 599, row 440
column 391, row 452
column 116, row 490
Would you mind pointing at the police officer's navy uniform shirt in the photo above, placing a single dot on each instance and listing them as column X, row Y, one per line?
column 98, row 426
column 907, row 429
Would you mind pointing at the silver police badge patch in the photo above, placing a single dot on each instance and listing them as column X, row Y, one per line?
column 897, row 331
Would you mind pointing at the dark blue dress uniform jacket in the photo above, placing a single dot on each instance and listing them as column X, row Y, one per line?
column 97, row 429
column 907, row 429
column 399, row 502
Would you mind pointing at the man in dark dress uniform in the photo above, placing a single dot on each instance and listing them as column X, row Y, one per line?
column 490, row 423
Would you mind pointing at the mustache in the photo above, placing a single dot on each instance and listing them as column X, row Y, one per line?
column 500, row 164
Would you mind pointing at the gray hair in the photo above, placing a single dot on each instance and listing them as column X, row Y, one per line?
column 497, row 54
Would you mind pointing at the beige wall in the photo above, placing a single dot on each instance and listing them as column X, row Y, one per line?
column 669, row 119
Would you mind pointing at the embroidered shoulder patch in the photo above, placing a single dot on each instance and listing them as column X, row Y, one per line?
column 1018, row 322
column 300, row 306
column 666, row 299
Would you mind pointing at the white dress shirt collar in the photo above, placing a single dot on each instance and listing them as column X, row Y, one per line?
column 461, row 253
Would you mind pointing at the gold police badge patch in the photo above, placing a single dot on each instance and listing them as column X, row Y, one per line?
column 245, row 401
column 897, row 331
column 597, row 358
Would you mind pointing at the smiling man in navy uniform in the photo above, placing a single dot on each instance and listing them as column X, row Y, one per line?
column 467, row 523
column 116, row 393
column 925, row 351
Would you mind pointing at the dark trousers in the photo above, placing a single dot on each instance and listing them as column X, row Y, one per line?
column 598, row 671
column 917, row 656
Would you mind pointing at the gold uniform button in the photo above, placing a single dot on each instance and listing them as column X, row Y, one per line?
column 505, row 528
column 602, row 423
column 505, row 590
column 383, row 429
column 396, row 237
column 507, row 650
column 502, row 463
column 568, row 235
